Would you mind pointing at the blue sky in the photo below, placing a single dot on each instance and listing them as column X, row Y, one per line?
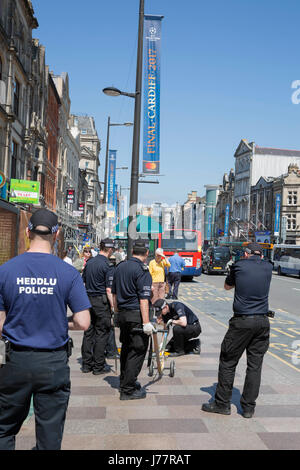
column 227, row 70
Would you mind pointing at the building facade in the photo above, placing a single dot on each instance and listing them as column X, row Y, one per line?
column 287, row 189
column 90, row 147
column 17, row 21
column 252, row 162
column 52, row 125
column 211, row 197
column 225, row 225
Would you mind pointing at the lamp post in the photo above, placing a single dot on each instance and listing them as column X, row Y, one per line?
column 109, row 125
column 136, row 130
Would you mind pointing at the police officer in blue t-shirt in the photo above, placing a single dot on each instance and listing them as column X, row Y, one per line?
column 95, row 277
column 249, row 330
column 132, row 292
column 35, row 290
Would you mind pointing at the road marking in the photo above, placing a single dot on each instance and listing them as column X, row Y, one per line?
column 295, row 288
column 225, row 326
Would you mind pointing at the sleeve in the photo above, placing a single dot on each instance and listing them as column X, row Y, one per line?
column 230, row 279
column 2, row 304
column 113, row 287
column 151, row 267
column 109, row 277
column 78, row 299
column 143, row 284
column 178, row 311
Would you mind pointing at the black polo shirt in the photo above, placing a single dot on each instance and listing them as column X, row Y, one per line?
column 95, row 275
column 251, row 278
column 132, row 282
column 177, row 310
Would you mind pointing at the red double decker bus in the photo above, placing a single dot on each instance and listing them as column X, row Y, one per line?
column 188, row 244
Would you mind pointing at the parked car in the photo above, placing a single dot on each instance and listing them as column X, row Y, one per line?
column 216, row 260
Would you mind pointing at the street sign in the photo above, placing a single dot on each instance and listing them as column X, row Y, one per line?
column 77, row 213
column 24, row 191
column 70, row 196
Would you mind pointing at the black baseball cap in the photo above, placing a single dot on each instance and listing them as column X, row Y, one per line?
column 44, row 218
column 141, row 243
column 159, row 305
column 254, row 248
column 108, row 243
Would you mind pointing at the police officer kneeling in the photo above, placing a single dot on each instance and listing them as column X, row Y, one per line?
column 249, row 330
column 35, row 289
column 185, row 323
column 132, row 291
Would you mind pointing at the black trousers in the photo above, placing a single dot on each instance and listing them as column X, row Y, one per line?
column 250, row 334
column 182, row 335
column 133, row 352
column 96, row 336
column 45, row 376
column 174, row 281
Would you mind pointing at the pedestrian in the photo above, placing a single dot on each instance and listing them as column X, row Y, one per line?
column 120, row 255
column 111, row 347
column 186, row 326
column 157, row 268
column 70, row 252
column 174, row 276
column 131, row 292
column 35, row 289
column 249, row 330
column 66, row 258
column 84, row 257
column 96, row 283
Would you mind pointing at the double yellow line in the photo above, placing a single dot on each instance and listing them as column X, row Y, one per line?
column 225, row 326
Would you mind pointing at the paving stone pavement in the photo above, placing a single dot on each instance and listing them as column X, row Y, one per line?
column 170, row 418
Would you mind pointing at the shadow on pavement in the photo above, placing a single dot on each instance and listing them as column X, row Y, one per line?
column 235, row 399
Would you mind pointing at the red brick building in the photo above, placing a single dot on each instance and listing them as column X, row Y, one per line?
column 48, row 188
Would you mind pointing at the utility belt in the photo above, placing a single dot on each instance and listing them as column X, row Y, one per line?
column 102, row 297
column 131, row 315
column 6, row 347
column 254, row 315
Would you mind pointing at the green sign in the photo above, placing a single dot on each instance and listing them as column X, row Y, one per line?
column 24, row 191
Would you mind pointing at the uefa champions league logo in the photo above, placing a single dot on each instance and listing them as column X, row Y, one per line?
column 152, row 31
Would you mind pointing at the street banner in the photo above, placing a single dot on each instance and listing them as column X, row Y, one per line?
column 152, row 47
column 111, row 187
column 226, row 225
column 277, row 215
column 24, row 191
column 116, row 203
column 209, row 226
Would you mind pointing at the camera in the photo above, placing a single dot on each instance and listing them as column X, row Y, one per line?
column 271, row 314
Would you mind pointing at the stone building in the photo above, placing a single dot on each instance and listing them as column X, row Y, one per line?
column 52, row 126
column 89, row 161
column 252, row 162
column 261, row 205
column 17, row 22
column 288, row 187
column 68, row 161
column 225, row 198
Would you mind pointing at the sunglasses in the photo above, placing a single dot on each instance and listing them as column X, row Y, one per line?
column 87, row 251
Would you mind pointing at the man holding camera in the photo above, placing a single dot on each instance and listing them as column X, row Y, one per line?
column 249, row 330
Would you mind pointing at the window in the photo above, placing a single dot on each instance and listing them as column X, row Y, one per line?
column 14, row 157
column 16, row 97
column 291, row 221
column 292, row 198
